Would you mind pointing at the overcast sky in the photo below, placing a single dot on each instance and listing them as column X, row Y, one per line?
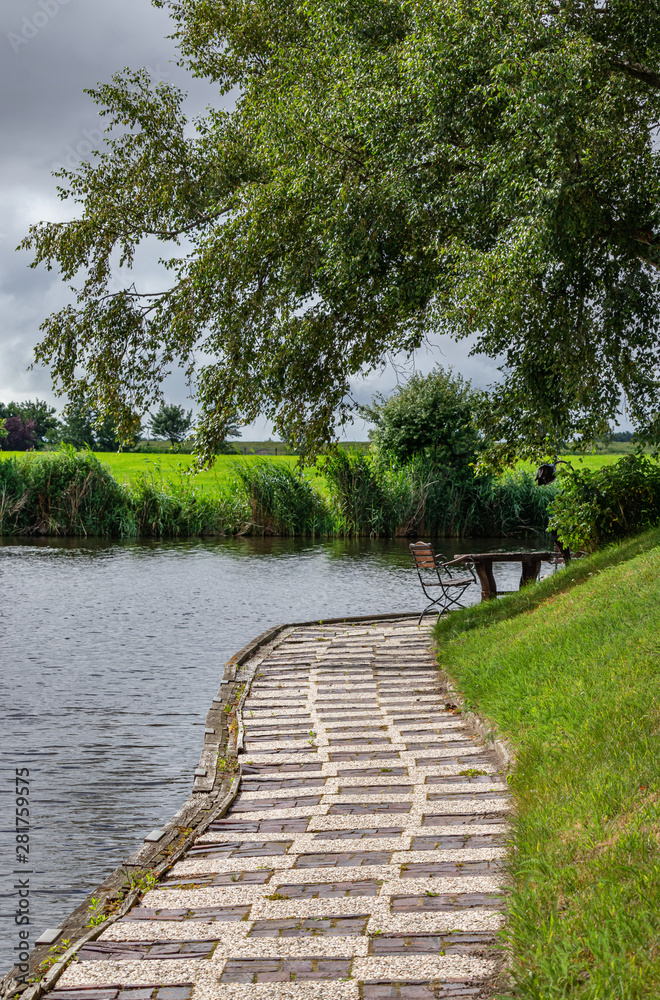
column 51, row 51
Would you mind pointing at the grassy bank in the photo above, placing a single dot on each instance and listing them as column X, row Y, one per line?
column 73, row 493
column 568, row 670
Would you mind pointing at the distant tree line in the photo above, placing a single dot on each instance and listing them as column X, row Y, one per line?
column 35, row 425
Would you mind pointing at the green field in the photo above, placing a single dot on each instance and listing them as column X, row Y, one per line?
column 568, row 671
column 582, row 461
column 127, row 467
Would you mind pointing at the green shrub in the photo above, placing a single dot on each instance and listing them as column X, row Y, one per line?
column 597, row 507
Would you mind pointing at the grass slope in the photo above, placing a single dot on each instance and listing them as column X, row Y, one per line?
column 571, row 675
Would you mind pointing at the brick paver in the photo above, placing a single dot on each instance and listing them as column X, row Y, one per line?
column 360, row 860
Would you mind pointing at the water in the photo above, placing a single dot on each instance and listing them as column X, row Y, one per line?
column 110, row 655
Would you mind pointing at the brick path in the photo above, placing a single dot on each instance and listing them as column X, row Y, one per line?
column 359, row 860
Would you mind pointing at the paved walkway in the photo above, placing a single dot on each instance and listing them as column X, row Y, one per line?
column 359, row 860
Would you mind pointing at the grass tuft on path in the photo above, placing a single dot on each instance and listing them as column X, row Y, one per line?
column 571, row 676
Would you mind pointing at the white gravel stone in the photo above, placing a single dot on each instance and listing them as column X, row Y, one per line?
column 301, row 990
column 368, row 821
column 421, row 968
column 438, row 884
column 212, row 866
column 435, row 923
column 327, row 946
column 178, row 930
column 157, row 970
column 302, row 909
column 459, row 855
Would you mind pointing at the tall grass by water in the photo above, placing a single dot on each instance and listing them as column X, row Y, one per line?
column 282, row 502
column 73, row 493
column 422, row 500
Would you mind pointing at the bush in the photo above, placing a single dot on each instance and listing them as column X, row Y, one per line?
column 429, row 417
column 597, row 507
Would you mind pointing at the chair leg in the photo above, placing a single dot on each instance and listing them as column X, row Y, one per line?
column 428, row 608
column 455, row 600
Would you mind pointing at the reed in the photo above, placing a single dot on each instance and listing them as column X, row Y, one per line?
column 62, row 493
column 73, row 493
column 281, row 501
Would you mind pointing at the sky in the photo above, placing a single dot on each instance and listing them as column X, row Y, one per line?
column 51, row 50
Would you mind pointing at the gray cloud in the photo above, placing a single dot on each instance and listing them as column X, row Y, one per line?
column 51, row 51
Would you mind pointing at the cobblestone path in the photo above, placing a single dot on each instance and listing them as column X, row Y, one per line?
column 359, row 860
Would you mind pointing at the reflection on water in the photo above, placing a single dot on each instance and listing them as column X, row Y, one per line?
column 110, row 656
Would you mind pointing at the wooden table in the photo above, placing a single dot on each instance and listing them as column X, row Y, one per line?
column 483, row 564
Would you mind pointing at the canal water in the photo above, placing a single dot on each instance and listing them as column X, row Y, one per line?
column 110, row 654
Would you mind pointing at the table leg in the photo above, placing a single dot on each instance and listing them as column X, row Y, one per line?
column 530, row 571
column 484, row 568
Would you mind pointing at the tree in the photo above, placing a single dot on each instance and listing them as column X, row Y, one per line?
column 20, row 434
column 390, row 170
column 39, row 413
column 84, row 427
column 78, row 426
column 171, row 422
column 431, row 415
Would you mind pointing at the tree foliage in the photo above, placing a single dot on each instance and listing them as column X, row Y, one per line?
column 86, row 427
column 171, row 422
column 430, row 415
column 20, row 434
column 391, row 169
column 41, row 417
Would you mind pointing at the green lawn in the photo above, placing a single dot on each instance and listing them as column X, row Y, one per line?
column 569, row 671
column 126, row 467
column 581, row 461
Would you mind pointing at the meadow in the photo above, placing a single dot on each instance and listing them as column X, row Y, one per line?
column 179, row 468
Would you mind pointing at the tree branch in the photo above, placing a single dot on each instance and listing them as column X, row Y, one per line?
column 638, row 71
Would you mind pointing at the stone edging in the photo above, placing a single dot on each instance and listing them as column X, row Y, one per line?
column 481, row 725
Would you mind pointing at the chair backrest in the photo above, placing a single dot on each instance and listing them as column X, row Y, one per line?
column 423, row 556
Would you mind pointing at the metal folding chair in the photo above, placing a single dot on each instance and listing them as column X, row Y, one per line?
column 451, row 588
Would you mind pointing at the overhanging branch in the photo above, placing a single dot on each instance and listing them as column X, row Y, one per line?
column 638, row 72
